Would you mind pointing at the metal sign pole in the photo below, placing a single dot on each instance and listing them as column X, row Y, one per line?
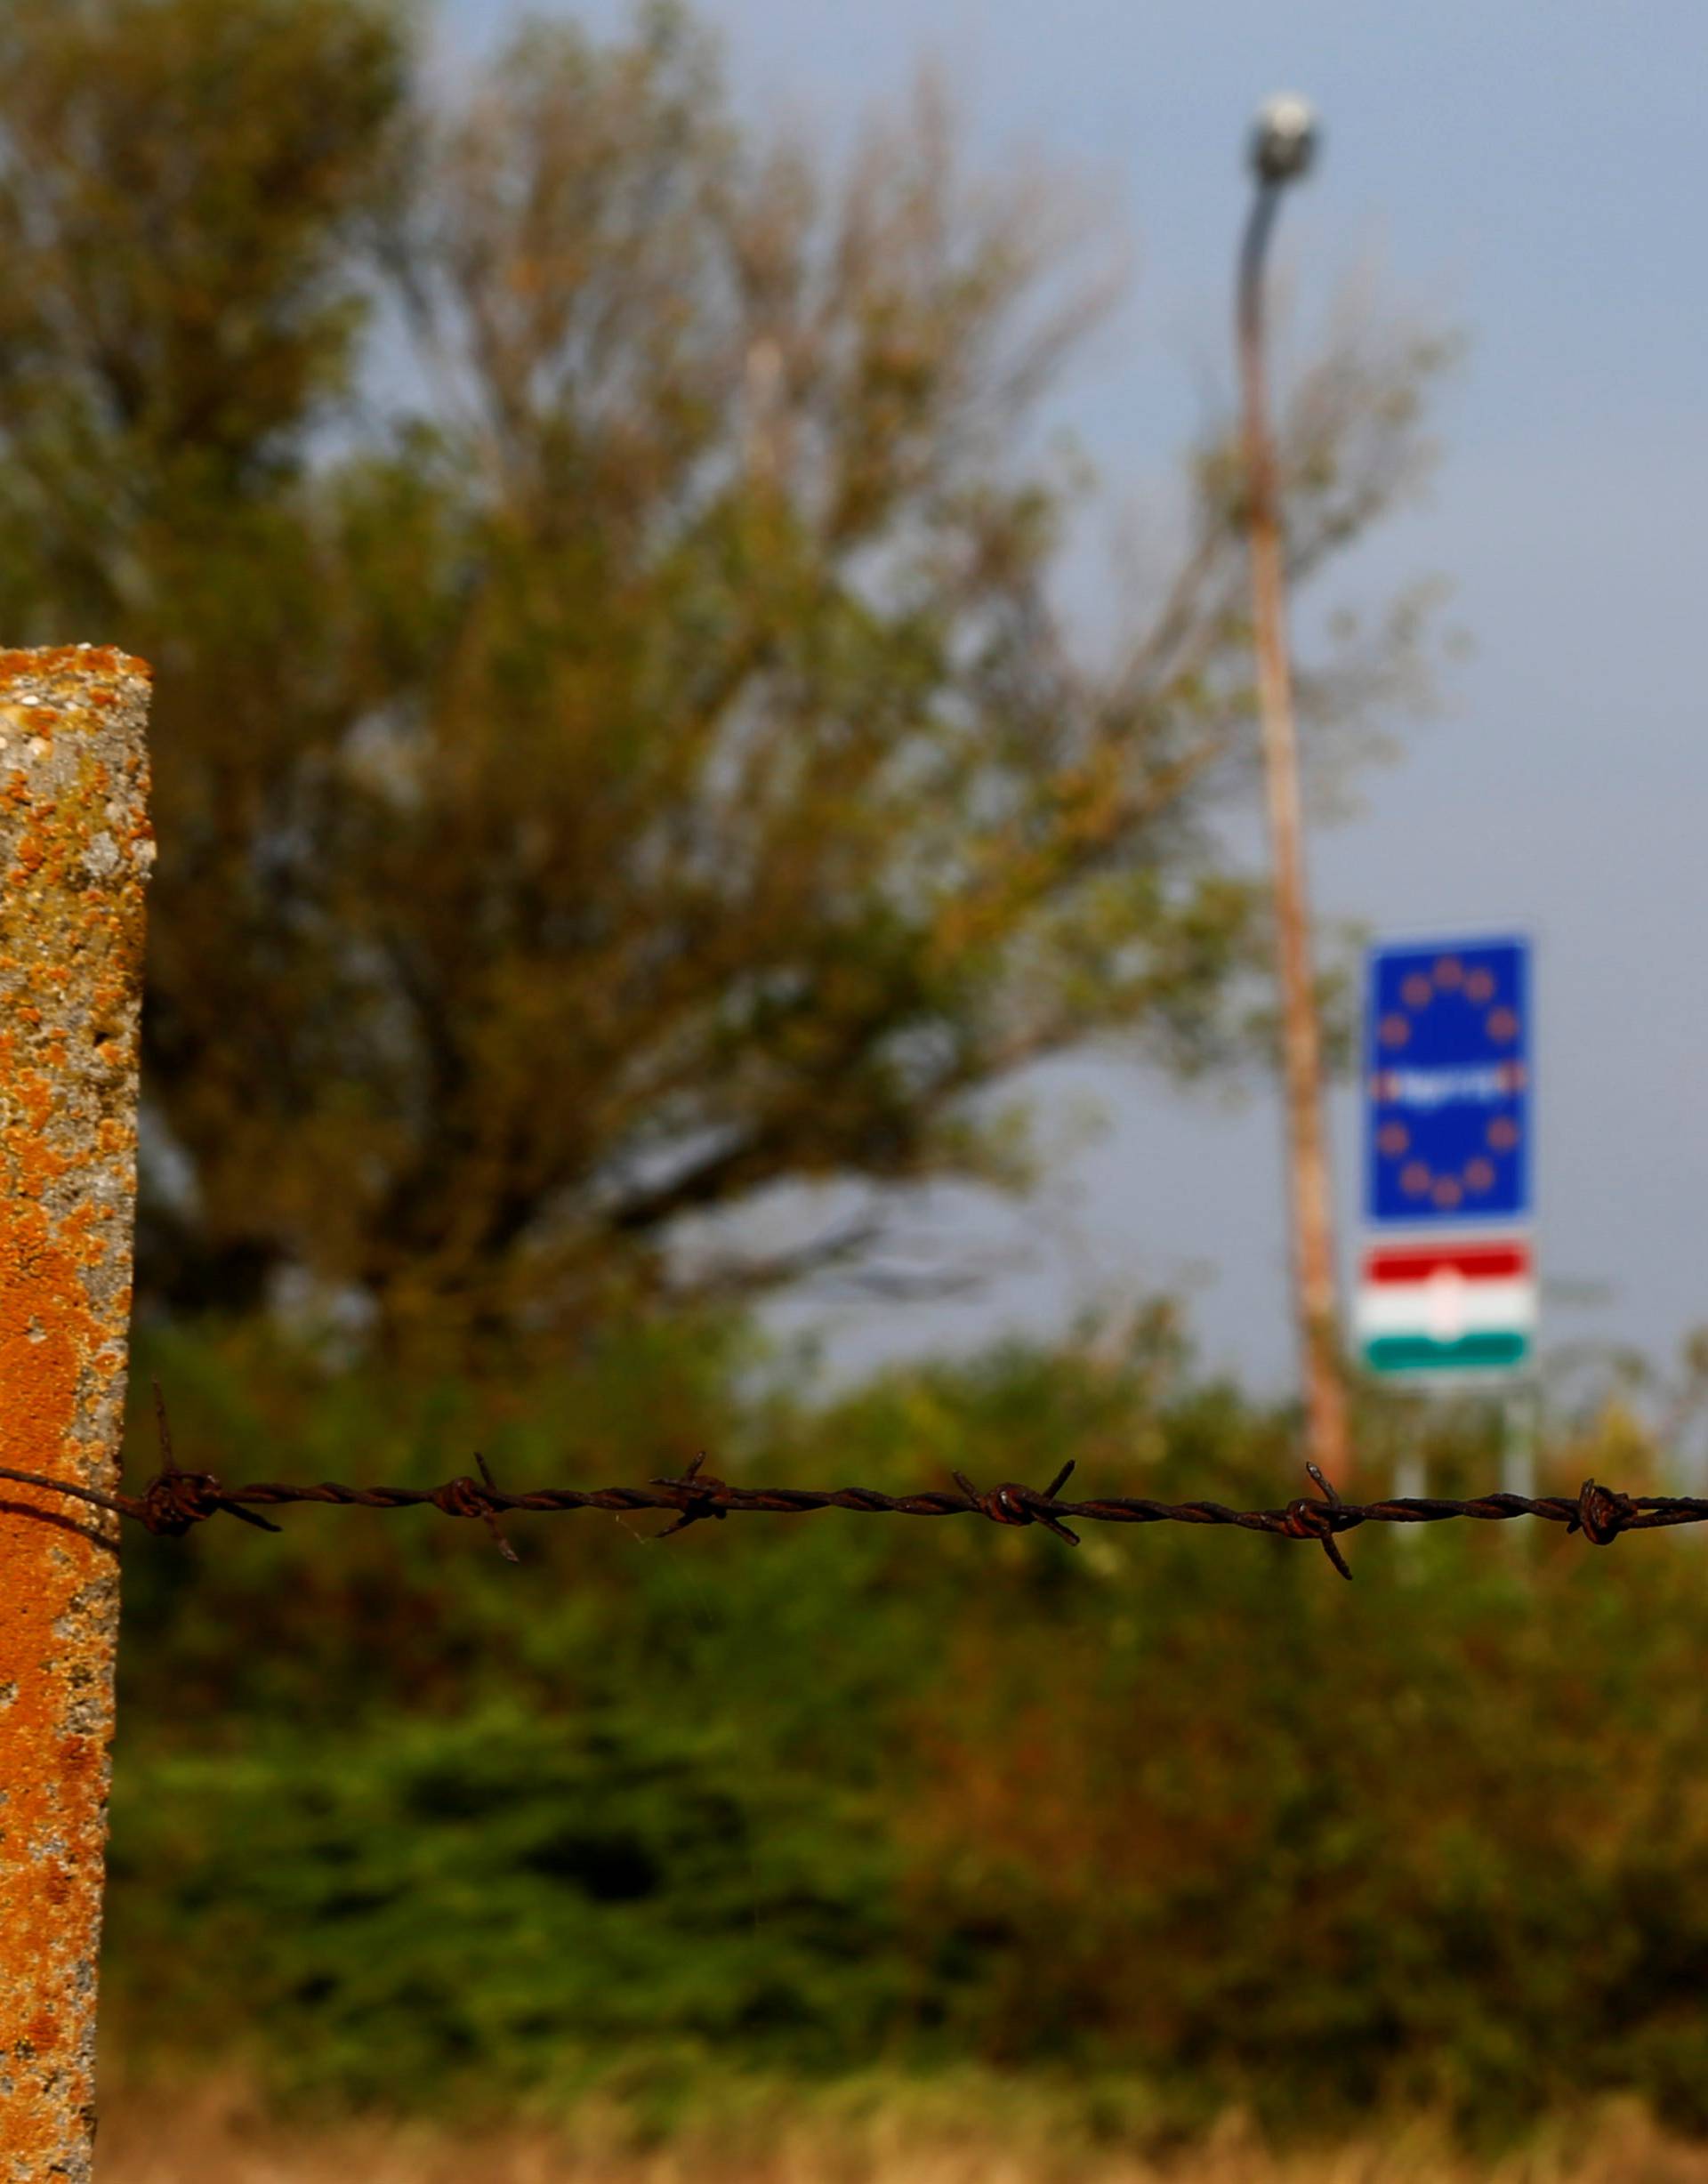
column 1518, row 1442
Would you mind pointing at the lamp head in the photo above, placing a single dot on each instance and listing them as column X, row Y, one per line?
column 1283, row 139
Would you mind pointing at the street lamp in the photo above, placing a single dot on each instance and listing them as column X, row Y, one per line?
column 1284, row 139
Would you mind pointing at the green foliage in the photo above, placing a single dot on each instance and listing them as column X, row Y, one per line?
column 617, row 747
column 1180, row 1813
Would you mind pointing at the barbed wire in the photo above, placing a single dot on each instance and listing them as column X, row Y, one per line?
column 175, row 1501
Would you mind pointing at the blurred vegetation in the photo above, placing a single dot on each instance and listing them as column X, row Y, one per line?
column 618, row 747
column 1175, row 1822
column 987, row 2131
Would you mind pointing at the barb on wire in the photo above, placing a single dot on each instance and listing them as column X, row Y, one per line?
column 175, row 1501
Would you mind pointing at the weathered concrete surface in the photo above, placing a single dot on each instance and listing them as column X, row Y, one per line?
column 75, row 853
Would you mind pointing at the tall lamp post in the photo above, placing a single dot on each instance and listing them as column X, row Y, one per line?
column 1282, row 143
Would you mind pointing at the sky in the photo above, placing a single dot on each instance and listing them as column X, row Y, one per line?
column 1528, row 173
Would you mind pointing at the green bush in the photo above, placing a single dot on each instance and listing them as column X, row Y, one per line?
column 400, row 1822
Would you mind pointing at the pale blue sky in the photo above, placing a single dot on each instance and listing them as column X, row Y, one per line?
column 1532, row 169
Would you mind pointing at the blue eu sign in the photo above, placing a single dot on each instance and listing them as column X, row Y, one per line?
column 1447, row 1058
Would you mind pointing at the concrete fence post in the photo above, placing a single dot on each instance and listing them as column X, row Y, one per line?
column 75, row 853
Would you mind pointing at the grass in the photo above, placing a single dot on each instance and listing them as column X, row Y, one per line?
column 218, row 2134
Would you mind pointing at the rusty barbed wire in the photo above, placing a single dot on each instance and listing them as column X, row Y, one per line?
column 175, row 1501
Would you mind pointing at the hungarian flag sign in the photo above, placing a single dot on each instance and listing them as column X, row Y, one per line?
column 1442, row 1307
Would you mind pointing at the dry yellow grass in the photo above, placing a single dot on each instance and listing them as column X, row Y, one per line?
column 217, row 2135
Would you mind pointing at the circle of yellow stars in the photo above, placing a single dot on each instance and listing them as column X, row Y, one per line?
column 1417, row 1179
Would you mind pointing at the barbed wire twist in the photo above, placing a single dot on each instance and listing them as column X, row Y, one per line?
column 175, row 1501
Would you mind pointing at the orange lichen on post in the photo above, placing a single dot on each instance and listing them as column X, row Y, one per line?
column 75, row 853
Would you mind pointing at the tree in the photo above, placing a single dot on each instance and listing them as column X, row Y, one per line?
column 618, row 751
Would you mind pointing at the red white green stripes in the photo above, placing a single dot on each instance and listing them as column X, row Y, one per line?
column 1446, row 1307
